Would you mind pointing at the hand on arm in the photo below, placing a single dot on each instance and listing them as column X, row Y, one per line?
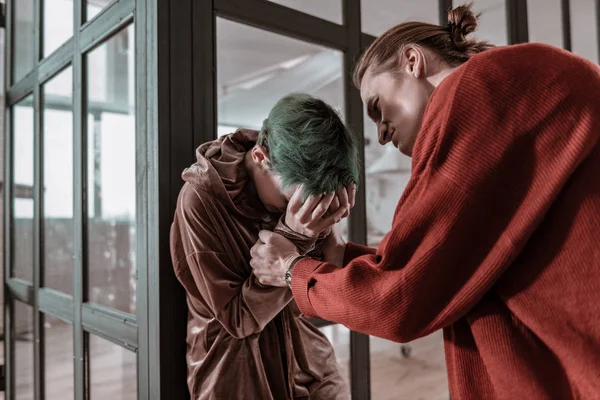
column 273, row 254
column 213, row 279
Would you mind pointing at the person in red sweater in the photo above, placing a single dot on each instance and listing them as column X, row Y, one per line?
column 496, row 239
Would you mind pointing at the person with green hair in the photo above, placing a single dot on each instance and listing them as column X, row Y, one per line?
column 246, row 340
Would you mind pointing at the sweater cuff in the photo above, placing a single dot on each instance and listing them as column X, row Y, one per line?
column 301, row 275
column 354, row 250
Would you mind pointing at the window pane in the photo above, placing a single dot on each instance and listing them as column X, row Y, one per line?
column 252, row 79
column 111, row 172
column 331, row 10
column 387, row 171
column 58, row 182
column 58, row 353
column 23, row 144
column 584, row 29
column 95, row 6
column 23, row 189
column 255, row 68
column 380, row 15
column 112, row 371
column 58, row 24
column 423, row 374
column 492, row 23
column 544, row 19
column 416, row 370
column 22, row 38
column 339, row 336
column 23, row 319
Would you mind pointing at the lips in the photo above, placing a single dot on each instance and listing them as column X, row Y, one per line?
column 383, row 137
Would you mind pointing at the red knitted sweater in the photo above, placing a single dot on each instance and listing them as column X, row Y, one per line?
column 496, row 239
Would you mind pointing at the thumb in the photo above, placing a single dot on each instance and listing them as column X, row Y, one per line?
column 265, row 236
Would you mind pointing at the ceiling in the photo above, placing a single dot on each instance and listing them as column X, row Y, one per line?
column 256, row 67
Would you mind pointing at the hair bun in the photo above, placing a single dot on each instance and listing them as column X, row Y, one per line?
column 461, row 22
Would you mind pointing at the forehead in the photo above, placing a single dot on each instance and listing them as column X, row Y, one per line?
column 369, row 85
column 366, row 86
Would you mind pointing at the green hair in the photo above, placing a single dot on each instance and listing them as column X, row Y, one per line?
column 308, row 144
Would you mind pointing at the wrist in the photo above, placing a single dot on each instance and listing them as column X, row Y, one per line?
column 288, row 272
column 339, row 252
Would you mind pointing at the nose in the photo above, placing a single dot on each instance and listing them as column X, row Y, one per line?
column 383, row 133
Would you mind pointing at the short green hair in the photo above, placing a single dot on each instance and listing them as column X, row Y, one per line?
column 308, row 144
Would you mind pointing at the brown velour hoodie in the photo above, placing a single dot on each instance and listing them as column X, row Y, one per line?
column 244, row 340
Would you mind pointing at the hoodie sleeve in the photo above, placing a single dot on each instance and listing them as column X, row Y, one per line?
column 311, row 247
column 204, row 267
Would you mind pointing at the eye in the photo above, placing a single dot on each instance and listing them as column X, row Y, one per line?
column 375, row 111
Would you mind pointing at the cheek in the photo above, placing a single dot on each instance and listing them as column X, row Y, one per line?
column 289, row 192
column 413, row 105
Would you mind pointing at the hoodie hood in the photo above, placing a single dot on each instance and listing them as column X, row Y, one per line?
column 220, row 170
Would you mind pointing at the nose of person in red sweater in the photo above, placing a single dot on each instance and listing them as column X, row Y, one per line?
column 496, row 237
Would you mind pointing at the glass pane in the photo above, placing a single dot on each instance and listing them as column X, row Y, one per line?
column 58, row 182
column 22, row 38
column 111, row 172
column 255, row 68
column 584, row 29
column 112, row 371
column 58, row 362
column 330, row 10
column 58, row 24
column 387, row 172
column 377, row 16
column 95, row 6
column 339, row 336
column 544, row 18
column 492, row 23
column 23, row 189
column 423, row 374
column 416, row 370
column 23, row 320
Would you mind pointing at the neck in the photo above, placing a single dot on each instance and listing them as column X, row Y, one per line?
column 436, row 79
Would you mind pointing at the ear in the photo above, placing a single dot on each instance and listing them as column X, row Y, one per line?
column 413, row 59
column 260, row 157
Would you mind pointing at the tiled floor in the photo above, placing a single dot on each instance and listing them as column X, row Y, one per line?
column 422, row 375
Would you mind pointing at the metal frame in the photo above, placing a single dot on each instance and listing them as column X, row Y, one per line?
column 566, row 24
column 147, row 306
column 360, row 356
column 598, row 27
column 8, row 311
column 516, row 21
column 38, row 154
column 444, row 6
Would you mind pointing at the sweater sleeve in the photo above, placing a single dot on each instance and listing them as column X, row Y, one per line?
column 489, row 162
column 437, row 261
column 354, row 250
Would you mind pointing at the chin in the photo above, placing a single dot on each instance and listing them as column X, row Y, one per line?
column 406, row 150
